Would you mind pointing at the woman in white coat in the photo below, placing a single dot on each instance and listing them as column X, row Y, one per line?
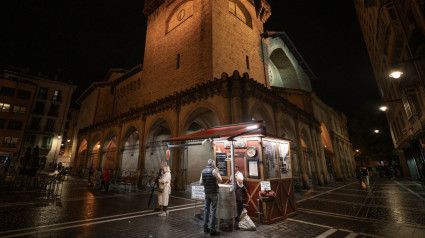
column 164, row 182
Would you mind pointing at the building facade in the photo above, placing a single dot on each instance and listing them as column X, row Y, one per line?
column 35, row 109
column 68, row 143
column 206, row 63
column 394, row 33
column 16, row 97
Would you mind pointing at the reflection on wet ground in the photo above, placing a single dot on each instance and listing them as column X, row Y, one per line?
column 386, row 209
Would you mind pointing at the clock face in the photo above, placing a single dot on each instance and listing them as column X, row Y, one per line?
column 251, row 151
column 181, row 15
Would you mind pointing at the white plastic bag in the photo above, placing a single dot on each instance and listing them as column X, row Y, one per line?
column 245, row 222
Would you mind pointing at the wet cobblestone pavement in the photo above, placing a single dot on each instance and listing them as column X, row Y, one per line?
column 387, row 209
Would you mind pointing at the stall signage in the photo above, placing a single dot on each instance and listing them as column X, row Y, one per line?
column 236, row 144
column 221, row 163
column 265, row 185
column 198, row 192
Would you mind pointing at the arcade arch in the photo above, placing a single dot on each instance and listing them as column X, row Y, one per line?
column 282, row 73
column 196, row 157
column 155, row 148
column 82, row 151
column 109, row 151
column 259, row 112
column 130, row 151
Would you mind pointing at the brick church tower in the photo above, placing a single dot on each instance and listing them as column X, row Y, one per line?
column 194, row 41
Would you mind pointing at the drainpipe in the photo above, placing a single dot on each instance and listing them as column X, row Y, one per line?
column 232, row 165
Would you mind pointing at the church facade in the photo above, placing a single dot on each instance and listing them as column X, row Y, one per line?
column 209, row 63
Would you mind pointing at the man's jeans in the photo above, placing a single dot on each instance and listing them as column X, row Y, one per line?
column 210, row 201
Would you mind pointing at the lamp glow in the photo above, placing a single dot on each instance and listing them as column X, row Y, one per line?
column 396, row 74
column 98, row 146
column 376, row 131
column 383, row 108
column 68, row 140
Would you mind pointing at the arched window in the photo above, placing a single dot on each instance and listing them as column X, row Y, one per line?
column 239, row 11
column 179, row 15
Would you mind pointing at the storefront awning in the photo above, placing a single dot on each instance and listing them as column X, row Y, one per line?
column 255, row 128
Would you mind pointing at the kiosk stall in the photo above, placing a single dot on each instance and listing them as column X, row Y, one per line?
column 264, row 160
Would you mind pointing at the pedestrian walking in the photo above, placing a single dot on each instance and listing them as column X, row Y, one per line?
column 164, row 188
column 359, row 174
column 210, row 178
column 94, row 178
column 365, row 173
column 91, row 170
column 374, row 172
column 391, row 173
column 105, row 180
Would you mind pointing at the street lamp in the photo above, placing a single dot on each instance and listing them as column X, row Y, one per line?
column 396, row 74
column 383, row 108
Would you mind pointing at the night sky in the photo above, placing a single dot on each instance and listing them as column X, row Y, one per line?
column 80, row 40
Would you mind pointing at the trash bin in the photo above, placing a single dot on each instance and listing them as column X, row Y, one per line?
column 226, row 205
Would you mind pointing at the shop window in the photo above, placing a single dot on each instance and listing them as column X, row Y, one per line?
column 181, row 14
column 19, row 109
column 42, row 93
column 57, row 96
column 239, row 11
column 30, row 141
column 35, row 124
column 14, row 125
column 39, row 108
column 24, row 94
column 46, row 143
column 50, row 125
column 2, row 123
column 178, row 61
column 54, row 110
column 6, row 91
column 10, row 142
column 4, row 107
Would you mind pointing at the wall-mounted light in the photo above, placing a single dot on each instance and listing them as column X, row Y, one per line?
column 383, row 108
column 59, row 137
column 357, row 151
column 396, row 74
column 376, row 131
column 98, row 146
column 68, row 140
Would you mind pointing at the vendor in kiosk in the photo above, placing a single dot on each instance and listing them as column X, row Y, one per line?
column 239, row 189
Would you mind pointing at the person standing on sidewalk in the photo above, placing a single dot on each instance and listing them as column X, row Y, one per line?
column 210, row 178
column 164, row 185
column 365, row 173
column 105, row 181
column 359, row 174
column 239, row 190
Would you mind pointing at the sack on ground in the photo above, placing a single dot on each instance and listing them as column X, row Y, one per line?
column 363, row 185
column 161, row 188
column 245, row 222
